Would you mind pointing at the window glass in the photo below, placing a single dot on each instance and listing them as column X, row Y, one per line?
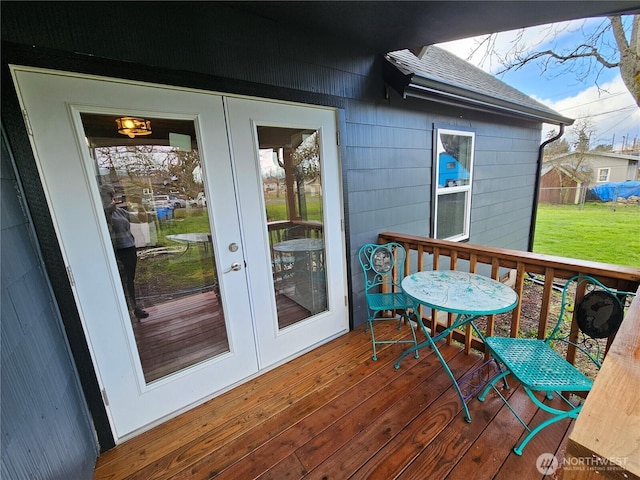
column 290, row 161
column 454, row 159
column 603, row 174
column 451, row 214
column 149, row 175
column 453, row 179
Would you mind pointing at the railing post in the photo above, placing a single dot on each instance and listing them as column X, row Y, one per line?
column 546, row 302
column 574, row 332
column 519, row 288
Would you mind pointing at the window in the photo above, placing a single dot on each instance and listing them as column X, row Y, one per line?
column 452, row 179
column 603, row 175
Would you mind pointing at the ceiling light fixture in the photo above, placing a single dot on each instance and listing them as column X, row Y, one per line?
column 133, row 126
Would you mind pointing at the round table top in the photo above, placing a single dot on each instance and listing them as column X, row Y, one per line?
column 190, row 237
column 299, row 245
column 460, row 292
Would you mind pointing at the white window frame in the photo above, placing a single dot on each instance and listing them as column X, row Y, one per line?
column 454, row 187
column 600, row 172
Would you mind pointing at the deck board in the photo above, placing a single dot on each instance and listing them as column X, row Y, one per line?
column 334, row 413
column 182, row 332
column 544, row 442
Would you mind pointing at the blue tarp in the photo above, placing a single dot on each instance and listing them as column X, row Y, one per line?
column 451, row 173
column 608, row 192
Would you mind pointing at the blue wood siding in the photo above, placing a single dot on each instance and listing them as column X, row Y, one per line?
column 46, row 430
column 389, row 174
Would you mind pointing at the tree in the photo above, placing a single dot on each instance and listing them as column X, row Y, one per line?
column 180, row 167
column 605, row 47
column 603, row 147
column 304, row 165
column 557, row 147
column 571, row 167
column 582, row 131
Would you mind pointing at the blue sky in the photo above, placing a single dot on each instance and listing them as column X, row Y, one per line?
column 612, row 110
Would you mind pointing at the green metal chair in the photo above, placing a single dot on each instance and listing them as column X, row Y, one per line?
column 538, row 366
column 383, row 268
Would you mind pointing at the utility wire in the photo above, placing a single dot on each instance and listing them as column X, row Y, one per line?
column 617, row 110
column 595, row 101
column 611, row 128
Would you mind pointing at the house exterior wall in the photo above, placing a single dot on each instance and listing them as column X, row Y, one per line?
column 46, row 429
column 386, row 146
column 388, row 163
column 386, row 141
column 620, row 169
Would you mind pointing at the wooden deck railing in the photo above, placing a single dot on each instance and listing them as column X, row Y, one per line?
column 426, row 253
column 287, row 229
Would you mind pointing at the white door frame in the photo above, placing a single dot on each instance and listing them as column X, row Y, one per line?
column 244, row 116
column 49, row 108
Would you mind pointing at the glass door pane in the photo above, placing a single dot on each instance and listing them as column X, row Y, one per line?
column 292, row 188
column 150, row 178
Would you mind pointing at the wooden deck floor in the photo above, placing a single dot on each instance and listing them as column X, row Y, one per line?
column 336, row 414
column 182, row 332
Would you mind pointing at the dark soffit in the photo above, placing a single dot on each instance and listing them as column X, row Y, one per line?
column 386, row 26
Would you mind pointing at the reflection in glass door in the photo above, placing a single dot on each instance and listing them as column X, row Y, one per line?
column 292, row 188
column 150, row 178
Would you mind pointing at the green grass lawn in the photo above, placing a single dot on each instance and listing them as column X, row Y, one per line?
column 185, row 220
column 595, row 232
column 165, row 276
column 277, row 209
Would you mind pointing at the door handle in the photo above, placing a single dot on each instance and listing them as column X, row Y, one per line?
column 235, row 266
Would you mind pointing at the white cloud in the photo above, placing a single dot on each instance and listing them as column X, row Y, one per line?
column 611, row 110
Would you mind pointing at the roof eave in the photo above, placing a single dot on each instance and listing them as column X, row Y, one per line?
column 419, row 86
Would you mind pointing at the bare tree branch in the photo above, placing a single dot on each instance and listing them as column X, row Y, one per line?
column 594, row 54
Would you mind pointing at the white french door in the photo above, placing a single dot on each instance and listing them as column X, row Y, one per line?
column 305, row 138
column 204, row 301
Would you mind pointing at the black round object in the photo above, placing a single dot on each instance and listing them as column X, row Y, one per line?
column 599, row 314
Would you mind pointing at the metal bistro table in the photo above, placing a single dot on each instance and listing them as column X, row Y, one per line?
column 189, row 239
column 309, row 284
column 466, row 294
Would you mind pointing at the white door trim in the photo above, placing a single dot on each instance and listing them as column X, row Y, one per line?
column 66, row 221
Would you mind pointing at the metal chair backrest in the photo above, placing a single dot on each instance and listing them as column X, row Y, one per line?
column 383, row 266
column 598, row 315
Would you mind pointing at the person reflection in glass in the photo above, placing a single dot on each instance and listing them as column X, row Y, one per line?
column 124, row 244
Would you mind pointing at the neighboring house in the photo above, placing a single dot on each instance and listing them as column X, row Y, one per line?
column 227, row 73
column 601, row 167
column 560, row 185
column 566, row 178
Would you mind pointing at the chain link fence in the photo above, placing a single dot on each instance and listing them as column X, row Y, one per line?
column 578, row 195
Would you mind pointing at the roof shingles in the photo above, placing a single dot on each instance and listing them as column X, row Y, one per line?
column 444, row 69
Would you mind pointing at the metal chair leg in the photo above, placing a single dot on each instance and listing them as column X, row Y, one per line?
column 373, row 341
